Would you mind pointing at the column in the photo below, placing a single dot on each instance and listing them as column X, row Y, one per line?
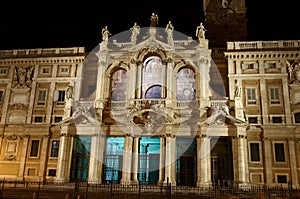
column 173, row 160
column 286, row 101
column 65, row 155
column 168, row 161
column 264, row 102
column 203, row 162
column 95, row 164
column 32, row 93
column 44, row 154
column 161, row 160
column 23, row 157
column 139, row 82
column 268, row 161
column 293, row 162
column 243, row 160
column 170, row 87
column 135, row 160
column 1, row 139
column 127, row 158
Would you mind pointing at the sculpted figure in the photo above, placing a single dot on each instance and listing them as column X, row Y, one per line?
column 294, row 71
column 169, row 29
column 105, row 33
column 135, row 29
column 200, row 31
column 154, row 20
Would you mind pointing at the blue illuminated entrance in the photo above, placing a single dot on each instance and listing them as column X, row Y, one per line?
column 149, row 160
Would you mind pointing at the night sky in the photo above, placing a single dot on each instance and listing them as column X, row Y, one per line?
column 43, row 25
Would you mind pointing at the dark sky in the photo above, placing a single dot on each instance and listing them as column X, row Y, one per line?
column 56, row 25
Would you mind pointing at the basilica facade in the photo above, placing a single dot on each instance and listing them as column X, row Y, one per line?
column 155, row 107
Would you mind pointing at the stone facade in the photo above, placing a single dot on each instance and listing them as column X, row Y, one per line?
column 154, row 110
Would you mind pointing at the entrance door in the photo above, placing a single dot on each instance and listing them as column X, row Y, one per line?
column 222, row 162
column 80, row 159
column 149, row 160
column 187, row 171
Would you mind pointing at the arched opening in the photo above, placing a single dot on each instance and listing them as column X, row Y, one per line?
column 185, row 84
column 118, row 85
column 154, row 92
column 152, row 77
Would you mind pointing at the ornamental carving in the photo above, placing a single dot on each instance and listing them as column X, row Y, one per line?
column 294, row 71
column 18, row 106
column 22, row 77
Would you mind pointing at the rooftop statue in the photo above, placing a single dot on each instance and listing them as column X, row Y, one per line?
column 200, row 31
column 135, row 29
column 105, row 33
column 169, row 29
column 154, row 20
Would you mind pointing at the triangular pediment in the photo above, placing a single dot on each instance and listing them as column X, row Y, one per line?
column 220, row 117
column 153, row 44
column 80, row 117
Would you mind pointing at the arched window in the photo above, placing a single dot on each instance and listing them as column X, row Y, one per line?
column 297, row 117
column 153, row 92
column 185, row 84
column 152, row 77
column 118, row 85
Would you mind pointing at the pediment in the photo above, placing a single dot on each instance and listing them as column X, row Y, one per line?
column 82, row 116
column 152, row 44
column 221, row 118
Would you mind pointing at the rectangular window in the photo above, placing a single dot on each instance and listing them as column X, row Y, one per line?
column 1, row 96
column 251, row 96
column 3, row 71
column 252, row 120
column 61, row 96
column 279, row 152
column 254, row 152
column 54, row 148
column 64, row 70
column 277, row 120
column 41, row 97
column 38, row 119
column 45, row 70
column 52, row 172
column 34, row 148
column 57, row 119
column 274, row 95
column 281, row 179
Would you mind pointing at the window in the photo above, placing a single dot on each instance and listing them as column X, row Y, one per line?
column 52, row 172
column 274, row 95
column 251, row 96
column 57, row 119
column 252, row 120
column 1, row 96
column 297, row 117
column 254, row 152
column 246, row 66
column 54, row 148
column 277, row 120
column 64, row 70
column 41, row 97
column 281, row 179
column 38, row 119
column 45, row 70
column 3, row 71
column 34, row 148
column 279, row 152
column 61, row 95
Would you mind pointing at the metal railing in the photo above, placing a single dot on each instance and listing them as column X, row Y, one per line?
column 75, row 190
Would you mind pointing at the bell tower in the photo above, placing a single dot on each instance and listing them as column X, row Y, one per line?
column 225, row 20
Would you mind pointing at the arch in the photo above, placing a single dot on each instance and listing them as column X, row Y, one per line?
column 183, row 63
column 144, row 53
column 153, row 92
column 116, row 66
column 118, row 83
column 185, row 82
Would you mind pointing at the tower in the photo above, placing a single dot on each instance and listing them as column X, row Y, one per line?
column 225, row 20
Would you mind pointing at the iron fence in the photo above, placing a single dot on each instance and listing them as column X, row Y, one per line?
column 84, row 190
